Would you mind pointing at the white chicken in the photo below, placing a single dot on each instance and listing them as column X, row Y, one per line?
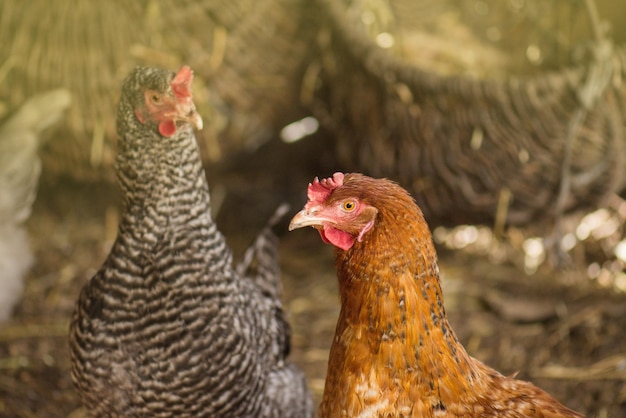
column 20, row 167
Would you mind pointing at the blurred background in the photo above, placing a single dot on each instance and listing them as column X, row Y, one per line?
column 504, row 118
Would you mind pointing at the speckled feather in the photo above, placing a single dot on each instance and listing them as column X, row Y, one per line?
column 168, row 327
column 394, row 353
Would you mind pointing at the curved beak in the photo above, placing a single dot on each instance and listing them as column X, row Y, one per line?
column 306, row 218
column 188, row 113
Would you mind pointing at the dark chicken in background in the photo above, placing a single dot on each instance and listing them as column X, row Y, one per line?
column 168, row 327
column 394, row 353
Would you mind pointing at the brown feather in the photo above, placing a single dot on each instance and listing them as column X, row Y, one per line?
column 394, row 352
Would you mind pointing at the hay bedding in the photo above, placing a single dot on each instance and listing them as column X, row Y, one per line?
column 569, row 336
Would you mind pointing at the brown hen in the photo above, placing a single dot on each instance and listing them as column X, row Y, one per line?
column 394, row 353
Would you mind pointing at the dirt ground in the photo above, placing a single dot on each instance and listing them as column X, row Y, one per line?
column 556, row 330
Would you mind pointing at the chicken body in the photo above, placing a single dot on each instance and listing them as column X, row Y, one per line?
column 168, row 327
column 20, row 138
column 394, row 352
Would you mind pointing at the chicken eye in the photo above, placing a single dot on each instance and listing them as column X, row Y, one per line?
column 155, row 98
column 349, row 205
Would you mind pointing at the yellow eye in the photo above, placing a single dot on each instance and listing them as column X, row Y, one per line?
column 349, row 205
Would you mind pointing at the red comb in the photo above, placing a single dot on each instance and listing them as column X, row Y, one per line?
column 181, row 83
column 319, row 190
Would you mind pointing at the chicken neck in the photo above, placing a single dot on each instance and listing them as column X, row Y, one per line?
column 167, row 204
column 392, row 314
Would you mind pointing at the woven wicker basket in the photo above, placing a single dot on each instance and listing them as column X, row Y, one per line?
column 492, row 135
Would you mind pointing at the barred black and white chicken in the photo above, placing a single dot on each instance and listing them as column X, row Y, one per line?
column 168, row 327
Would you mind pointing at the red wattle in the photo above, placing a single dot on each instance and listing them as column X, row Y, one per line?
column 167, row 128
column 337, row 238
